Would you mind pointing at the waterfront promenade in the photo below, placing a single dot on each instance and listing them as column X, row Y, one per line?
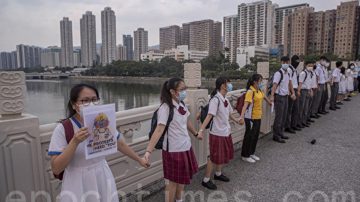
column 297, row 171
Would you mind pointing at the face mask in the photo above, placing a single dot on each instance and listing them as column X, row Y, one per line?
column 261, row 85
column 182, row 95
column 285, row 66
column 229, row 87
column 81, row 108
column 352, row 67
column 327, row 64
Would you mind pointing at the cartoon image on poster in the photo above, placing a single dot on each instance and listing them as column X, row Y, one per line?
column 101, row 123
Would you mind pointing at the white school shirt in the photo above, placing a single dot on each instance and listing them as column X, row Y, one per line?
column 336, row 74
column 326, row 74
column 313, row 80
column 179, row 139
column 319, row 71
column 283, row 88
column 220, row 126
column 294, row 78
column 306, row 84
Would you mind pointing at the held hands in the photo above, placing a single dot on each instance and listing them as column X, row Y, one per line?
column 272, row 98
column 143, row 162
column 241, row 121
column 200, row 135
column 80, row 136
column 293, row 97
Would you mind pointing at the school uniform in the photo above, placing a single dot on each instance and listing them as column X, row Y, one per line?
column 293, row 105
column 349, row 80
column 281, row 103
column 220, row 139
column 83, row 175
column 325, row 95
column 335, row 87
column 305, row 79
column 179, row 162
column 342, row 85
column 253, row 116
column 321, row 80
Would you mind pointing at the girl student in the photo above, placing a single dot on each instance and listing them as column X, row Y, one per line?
column 251, row 116
column 220, row 140
column 179, row 162
column 84, row 180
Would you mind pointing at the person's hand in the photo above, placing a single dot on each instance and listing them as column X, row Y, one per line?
column 241, row 121
column 200, row 135
column 147, row 157
column 293, row 97
column 80, row 136
column 272, row 98
column 143, row 162
column 298, row 94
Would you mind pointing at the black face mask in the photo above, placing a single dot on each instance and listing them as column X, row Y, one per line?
column 295, row 63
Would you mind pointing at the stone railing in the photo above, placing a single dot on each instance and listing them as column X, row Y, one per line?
column 25, row 165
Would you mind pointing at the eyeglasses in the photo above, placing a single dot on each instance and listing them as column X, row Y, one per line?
column 86, row 102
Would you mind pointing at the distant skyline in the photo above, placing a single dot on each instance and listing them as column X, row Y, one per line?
column 36, row 22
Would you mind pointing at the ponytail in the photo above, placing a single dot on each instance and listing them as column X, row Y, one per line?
column 165, row 95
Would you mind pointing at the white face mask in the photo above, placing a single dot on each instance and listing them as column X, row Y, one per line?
column 309, row 68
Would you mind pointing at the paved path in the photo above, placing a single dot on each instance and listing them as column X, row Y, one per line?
column 299, row 169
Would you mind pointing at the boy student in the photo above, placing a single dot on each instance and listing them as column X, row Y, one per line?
column 304, row 92
column 293, row 108
column 321, row 80
column 335, row 79
column 281, row 89
column 314, row 88
column 325, row 95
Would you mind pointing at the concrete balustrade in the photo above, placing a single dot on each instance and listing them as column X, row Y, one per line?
column 25, row 165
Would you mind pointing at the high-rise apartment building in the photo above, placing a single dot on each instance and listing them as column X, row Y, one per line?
column 140, row 43
column 128, row 42
column 67, row 58
column 170, row 37
column 88, row 39
column 108, row 35
column 231, row 36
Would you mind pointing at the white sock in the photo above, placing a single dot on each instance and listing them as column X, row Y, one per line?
column 218, row 173
column 179, row 200
column 206, row 179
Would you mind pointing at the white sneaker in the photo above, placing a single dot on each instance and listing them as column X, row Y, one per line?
column 249, row 160
column 255, row 157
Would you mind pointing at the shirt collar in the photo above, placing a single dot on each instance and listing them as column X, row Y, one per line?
column 220, row 96
column 253, row 88
column 177, row 105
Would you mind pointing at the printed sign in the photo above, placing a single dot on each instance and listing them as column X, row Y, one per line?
column 101, row 123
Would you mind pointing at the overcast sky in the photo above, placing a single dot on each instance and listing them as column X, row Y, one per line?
column 37, row 22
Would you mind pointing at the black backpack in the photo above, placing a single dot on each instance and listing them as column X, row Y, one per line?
column 154, row 120
column 204, row 110
column 271, row 80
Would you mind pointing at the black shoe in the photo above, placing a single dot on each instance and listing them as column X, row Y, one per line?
column 284, row 137
column 310, row 120
column 222, row 177
column 340, row 103
column 332, row 108
column 296, row 129
column 290, row 130
column 323, row 113
column 300, row 126
column 317, row 116
column 209, row 185
column 313, row 116
column 279, row 140
column 326, row 112
column 337, row 107
column 306, row 125
column 347, row 99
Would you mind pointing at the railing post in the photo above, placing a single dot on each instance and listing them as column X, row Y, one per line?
column 21, row 170
column 196, row 97
column 266, row 122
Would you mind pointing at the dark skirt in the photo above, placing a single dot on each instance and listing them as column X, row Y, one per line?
column 221, row 149
column 179, row 167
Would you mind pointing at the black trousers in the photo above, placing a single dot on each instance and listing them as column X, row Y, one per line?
column 292, row 119
column 358, row 83
column 334, row 93
column 324, row 99
column 252, row 131
column 281, row 109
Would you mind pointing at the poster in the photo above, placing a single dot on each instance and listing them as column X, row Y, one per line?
column 101, row 123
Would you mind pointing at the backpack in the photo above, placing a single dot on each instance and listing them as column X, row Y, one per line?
column 306, row 75
column 241, row 102
column 293, row 71
column 69, row 134
column 154, row 120
column 271, row 80
column 204, row 110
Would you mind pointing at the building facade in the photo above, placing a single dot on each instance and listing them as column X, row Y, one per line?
column 8, row 60
column 108, row 36
column 170, row 37
column 231, row 37
column 67, row 59
column 121, row 53
column 128, row 42
column 28, row 56
column 50, row 57
column 152, row 56
column 245, row 55
column 140, row 43
column 182, row 53
column 88, row 39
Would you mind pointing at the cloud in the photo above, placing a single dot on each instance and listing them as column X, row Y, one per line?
column 37, row 22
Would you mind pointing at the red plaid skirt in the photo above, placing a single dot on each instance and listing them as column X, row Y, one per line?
column 221, row 149
column 179, row 167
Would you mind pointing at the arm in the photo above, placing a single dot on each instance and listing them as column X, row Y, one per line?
column 268, row 100
column 299, row 89
column 293, row 95
column 246, row 104
column 60, row 162
column 275, row 85
column 232, row 117
column 191, row 128
column 154, row 139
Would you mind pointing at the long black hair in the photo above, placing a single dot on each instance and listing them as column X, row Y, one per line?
column 218, row 83
column 74, row 95
column 254, row 78
column 165, row 95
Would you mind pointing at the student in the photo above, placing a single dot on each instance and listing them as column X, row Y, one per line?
column 350, row 79
column 335, row 79
column 325, row 96
column 83, row 177
column 320, row 80
column 280, row 91
column 179, row 162
column 356, row 71
column 304, row 92
column 293, row 108
column 220, row 140
column 314, row 87
column 252, row 112
column 342, row 86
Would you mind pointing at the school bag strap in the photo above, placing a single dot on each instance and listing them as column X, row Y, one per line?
column 170, row 118
column 69, row 134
